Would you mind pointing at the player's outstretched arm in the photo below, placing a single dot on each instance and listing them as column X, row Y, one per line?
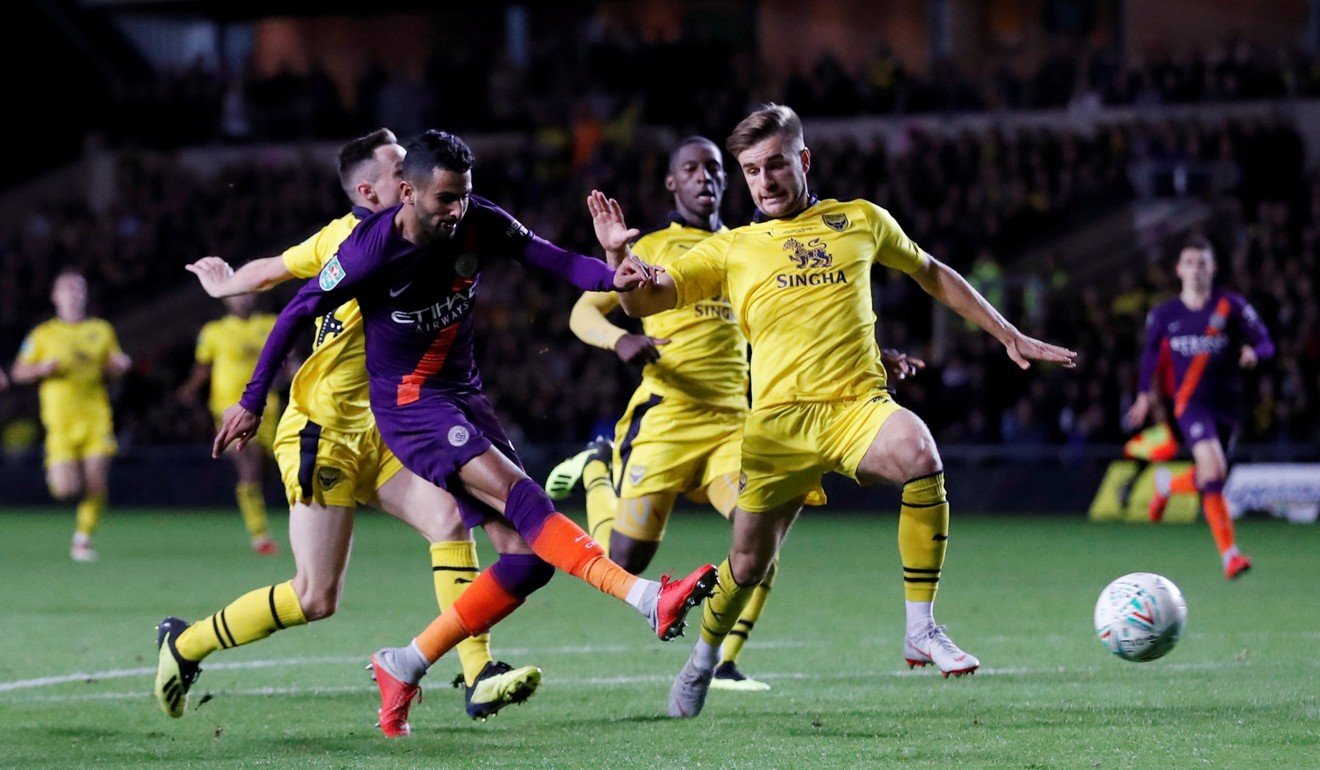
column 26, row 373
column 952, row 290
column 220, row 280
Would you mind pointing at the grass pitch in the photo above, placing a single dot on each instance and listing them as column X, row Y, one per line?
column 1242, row 689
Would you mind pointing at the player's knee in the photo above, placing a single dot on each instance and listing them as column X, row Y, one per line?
column 319, row 602
column 65, row 490
column 633, row 555
column 918, row 456
column 750, row 566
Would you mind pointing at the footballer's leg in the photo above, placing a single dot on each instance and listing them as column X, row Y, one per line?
column 320, row 538
column 251, row 500
column 593, row 466
column 904, row 452
column 639, row 528
column 496, row 481
column 756, row 541
column 489, row 685
column 64, row 479
column 722, row 493
column 1211, row 471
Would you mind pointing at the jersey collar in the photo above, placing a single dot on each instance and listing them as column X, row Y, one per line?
column 362, row 212
column 761, row 216
column 679, row 219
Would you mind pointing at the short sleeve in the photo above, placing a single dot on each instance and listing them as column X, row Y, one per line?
column 305, row 259
column 30, row 352
column 893, row 247
column 700, row 273
column 206, row 344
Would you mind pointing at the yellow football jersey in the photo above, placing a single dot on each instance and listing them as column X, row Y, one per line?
column 231, row 346
column 706, row 358
column 801, row 290
column 76, row 392
column 331, row 385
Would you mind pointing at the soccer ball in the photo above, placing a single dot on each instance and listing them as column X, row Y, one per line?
column 1140, row 616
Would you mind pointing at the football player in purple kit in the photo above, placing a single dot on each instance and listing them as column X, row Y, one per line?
column 1202, row 337
column 415, row 270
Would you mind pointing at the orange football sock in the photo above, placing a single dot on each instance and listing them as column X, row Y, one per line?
column 483, row 604
column 563, row 544
column 1216, row 515
column 1183, row 483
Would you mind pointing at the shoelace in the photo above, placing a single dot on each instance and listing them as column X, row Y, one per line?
column 938, row 636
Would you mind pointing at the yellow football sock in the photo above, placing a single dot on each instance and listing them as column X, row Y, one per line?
column 252, row 616
column 733, row 643
column 252, row 504
column 454, row 567
column 724, row 606
column 89, row 513
column 602, row 502
column 923, row 534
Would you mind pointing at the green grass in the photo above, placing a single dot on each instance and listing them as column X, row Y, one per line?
column 1242, row 689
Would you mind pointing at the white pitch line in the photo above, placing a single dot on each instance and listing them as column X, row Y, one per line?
column 126, row 673
column 613, row 681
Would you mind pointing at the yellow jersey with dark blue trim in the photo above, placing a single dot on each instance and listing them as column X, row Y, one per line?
column 231, row 346
column 331, row 385
column 706, row 358
column 76, row 391
column 800, row 288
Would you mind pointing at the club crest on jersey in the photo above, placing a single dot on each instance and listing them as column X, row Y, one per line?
column 466, row 265
column 331, row 274
column 636, row 473
column 458, row 435
column 812, row 254
column 836, row 222
column 327, row 477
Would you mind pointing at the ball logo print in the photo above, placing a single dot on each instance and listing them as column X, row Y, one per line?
column 1140, row 616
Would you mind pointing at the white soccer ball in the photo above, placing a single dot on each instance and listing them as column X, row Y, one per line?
column 1140, row 616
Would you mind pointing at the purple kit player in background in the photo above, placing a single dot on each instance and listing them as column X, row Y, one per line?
column 415, row 269
column 1200, row 340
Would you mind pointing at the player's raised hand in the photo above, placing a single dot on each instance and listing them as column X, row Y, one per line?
column 611, row 229
column 639, row 348
column 236, row 424
column 634, row 273
column 211, row 273
column 1023, row 350
column 900, row 364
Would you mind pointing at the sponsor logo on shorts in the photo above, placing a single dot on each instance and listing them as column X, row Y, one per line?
column 636, row 473
column 327, row 477
column 331, row 274
column 742, row 481
column 458, row 435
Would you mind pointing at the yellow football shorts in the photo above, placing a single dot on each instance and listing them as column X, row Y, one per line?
column 668, row 445
column 270, row 417
column 81, row 439
column 787, row 449
column 330, row 467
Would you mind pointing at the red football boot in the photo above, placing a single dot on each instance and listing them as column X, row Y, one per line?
column 396, row 697
column 677, row 597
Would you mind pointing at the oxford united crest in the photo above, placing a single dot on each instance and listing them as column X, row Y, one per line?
column 836, row 222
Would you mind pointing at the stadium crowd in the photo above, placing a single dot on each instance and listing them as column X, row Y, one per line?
column 974, row 200
column 622, row 78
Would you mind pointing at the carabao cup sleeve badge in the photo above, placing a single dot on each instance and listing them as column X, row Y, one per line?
column 331, row 275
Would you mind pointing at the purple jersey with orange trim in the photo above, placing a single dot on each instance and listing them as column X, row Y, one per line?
column 1177, row 335
column 417, row 303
